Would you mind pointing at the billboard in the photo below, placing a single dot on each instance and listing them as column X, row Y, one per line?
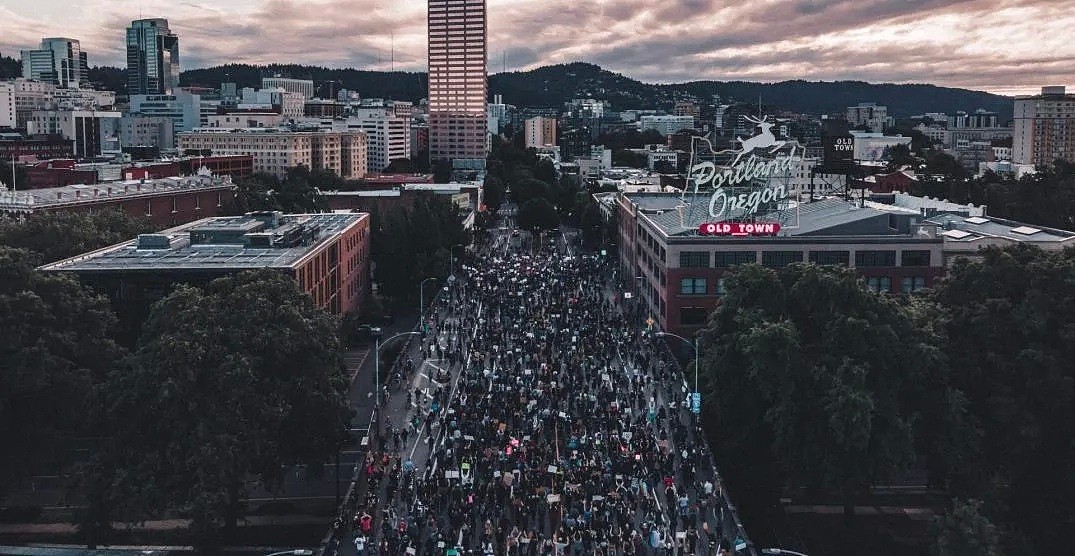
column 838, row 147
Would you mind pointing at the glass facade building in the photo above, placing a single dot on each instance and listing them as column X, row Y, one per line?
column 59, row 61
column 152, row 58
column 457, row 79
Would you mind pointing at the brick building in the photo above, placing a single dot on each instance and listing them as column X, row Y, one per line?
column 326, row 254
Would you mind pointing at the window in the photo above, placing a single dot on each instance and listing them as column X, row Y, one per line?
column 725, row 259
column 721, row 288
column 916, row 258
column 692, row 316
column 875, row 258
column 913, row 283
column 879, row 283
column 780, row 259
column 694, row 259
column 692, row 286
column 830, row 257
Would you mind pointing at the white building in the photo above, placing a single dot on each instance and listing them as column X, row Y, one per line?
column 243, row 120
column 871, row 115
column 275, row 151
column 184, row 109
column 146, row 131
column 665, row 125
column 22, row 97
column 387, row 136
column 599, row 162
column 84, row 99
column 1006, row 168
column 89, row 130
column 304, row 87
column 659, row 153
column 871, row 146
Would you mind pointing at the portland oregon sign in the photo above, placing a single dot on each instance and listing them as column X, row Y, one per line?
column 741, row 185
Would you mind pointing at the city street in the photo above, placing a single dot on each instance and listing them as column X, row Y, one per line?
column 537, row 418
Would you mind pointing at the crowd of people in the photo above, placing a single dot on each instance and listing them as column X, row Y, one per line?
column 554, row 425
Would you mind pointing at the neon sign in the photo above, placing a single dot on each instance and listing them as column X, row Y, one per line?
column 739, row 228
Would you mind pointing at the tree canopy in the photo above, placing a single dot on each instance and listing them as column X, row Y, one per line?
column 409, row 246
column 58, row 235
column 298, row 192
column 228, row 385
column 56, row 345
column 538, row 214
column 809, row 375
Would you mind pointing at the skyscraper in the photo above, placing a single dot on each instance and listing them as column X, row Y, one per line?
column 457, row 79
column 1044, row 129
column 152, row 58
column 59, row 61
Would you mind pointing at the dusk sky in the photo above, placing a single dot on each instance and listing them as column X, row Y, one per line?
column 1004, row 46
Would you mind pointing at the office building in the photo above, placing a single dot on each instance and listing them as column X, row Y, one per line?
column 457, row 79
column 387, row 136
column 183, row 108
column 275, row 151
column 869, row 115
column 59, row 61
column 303, row 87
column 146, row 131
column 665, row 125
column 1044, row 127
column 22, row 97
column 152, row 58
column 540, row 132
column 326, row 254
column 88, row 129
column 43, row 147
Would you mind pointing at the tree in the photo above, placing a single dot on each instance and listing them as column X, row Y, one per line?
column 229, row 385
column 493, row 192
column 664, row 167
column 58, row 235
column 20, row 179
column 538, row 214
column 809, row 369
column 545, row 171
column 408, row 247
column 900, row 156
column 529, row 188
column 56, row 346
column 631, row 159
column 964, row 531
column 1010, row 345
column 400, row 166
column 298, row 192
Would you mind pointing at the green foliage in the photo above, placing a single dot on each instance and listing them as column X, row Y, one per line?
column 493, row 192
column 228, row 386
column 1045, row 199
column 58, row 235
column 900, row 156
column 10, row 67
column 378, row 84
column 632, row 159
column 297, row 193
column 20, row 176
column 538, row 214
column 1011, row 343
column 400, row 166
column 809, row 369
column 630, row 139
column 408, row 247
column 964, row 531
column 55, row 346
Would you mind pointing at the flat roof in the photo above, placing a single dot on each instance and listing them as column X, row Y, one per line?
column 676, row 217
column 182, row 255
column 81, row 194
column 961, row 229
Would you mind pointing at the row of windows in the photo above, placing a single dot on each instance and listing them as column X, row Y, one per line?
column 700, row 286
column 780, row 259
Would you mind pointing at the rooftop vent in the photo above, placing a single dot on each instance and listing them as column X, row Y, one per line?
column 1026, row 230
column 153, row 241
column 976, row 220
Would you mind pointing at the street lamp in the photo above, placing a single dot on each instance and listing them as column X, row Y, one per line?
column 693, row 343
column 422, row 301
column 376, row 331
column 781, row 551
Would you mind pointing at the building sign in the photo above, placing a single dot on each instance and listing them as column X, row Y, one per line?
column 735, row 189
column 739, row 228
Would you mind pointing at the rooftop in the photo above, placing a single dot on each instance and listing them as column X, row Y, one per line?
column 254, row 240
column 961, row 229
column 30, row 199
column 823, row 217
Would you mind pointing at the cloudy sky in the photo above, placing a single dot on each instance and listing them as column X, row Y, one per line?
column 1005, row 46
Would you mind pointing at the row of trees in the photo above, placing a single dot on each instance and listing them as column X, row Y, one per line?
column 816, row 383
column 544, row 198
column 225, row 387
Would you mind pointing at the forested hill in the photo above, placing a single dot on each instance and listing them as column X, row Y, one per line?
column 549, row 86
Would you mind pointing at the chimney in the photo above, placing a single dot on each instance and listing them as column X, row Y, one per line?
column 96, row 192
column 109, row 190
column 126, row 189
column 59, row 195
column 78, row 194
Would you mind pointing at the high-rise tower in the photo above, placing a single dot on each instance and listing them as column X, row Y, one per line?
column 152, row 58
column 59, row 61
column 457, row 79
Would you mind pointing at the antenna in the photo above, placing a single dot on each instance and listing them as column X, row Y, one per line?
column 504, row 61
column 393, row 51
